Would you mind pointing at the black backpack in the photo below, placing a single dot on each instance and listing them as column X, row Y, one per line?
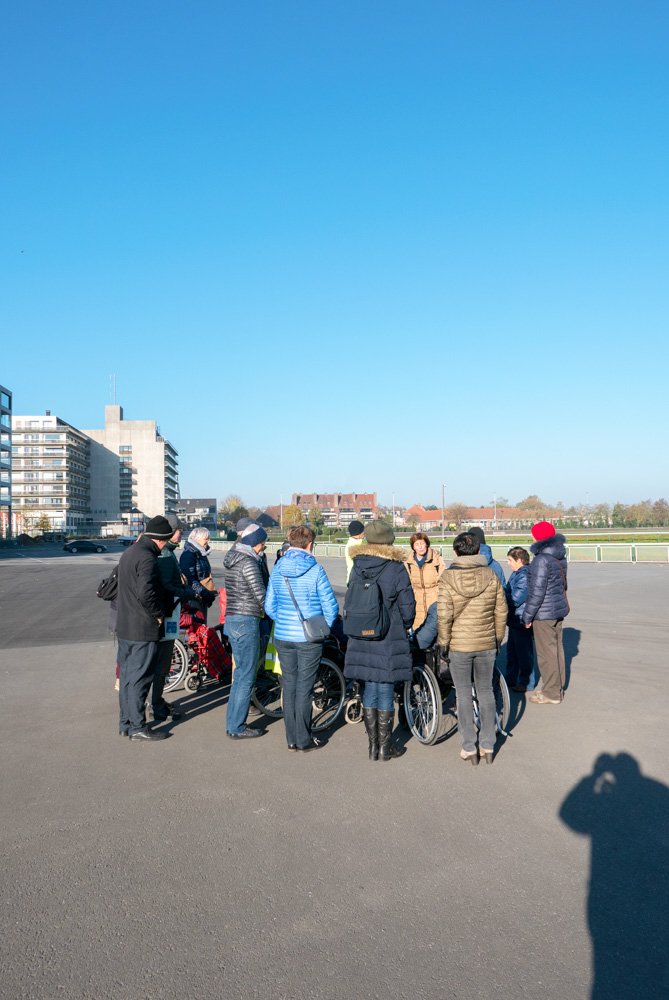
column 365, row 615
column 108, row 588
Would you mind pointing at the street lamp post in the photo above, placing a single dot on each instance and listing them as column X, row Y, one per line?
column 494, row 520
column 281, row 512
column 393, row 511
column 443, row 512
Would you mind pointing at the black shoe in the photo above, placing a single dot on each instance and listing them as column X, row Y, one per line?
column 147, row 734
column 168, row 712
column 247, row 733
column 292, row 747
column 314, row 745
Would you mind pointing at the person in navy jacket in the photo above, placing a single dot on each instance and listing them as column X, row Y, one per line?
column 519, row 646
column 298, row 657
column 485, row 550
column 546, row 607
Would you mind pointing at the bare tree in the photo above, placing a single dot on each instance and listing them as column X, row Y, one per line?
column 456, row 513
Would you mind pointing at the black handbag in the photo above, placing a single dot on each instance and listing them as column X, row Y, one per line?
column 315, row 629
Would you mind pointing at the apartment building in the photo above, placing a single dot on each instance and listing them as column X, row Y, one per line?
column 132, row 466
column 5, row 462
column 50, row 471
column 338, row 509
column 197, row 512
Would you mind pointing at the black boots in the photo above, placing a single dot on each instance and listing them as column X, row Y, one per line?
column 370, row 717
column 385, row 725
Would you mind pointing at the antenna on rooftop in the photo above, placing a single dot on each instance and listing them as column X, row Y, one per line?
column 112, row 380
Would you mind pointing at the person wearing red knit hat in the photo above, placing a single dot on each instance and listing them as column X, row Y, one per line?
column 545, row 609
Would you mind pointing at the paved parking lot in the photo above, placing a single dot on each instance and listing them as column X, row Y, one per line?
column 202, row 868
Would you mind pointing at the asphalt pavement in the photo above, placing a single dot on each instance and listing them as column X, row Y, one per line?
column 200, row 868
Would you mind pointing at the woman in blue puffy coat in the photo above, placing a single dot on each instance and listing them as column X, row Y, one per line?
column 299, row 658
column 382, row 663
column 545, row 608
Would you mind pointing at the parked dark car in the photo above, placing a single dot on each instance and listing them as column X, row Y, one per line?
column 84, row 545
column 127, row 540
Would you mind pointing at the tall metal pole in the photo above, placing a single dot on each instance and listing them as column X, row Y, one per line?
column 281, row 513
column 494, row 523
column 443, row 513
column 393, row 511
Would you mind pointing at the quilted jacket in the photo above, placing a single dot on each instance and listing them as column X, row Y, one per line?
column 389, row 659
column 547, row 581
column 244, row 582
column 471, row 608
column 312, row 591
column 424, row 580
column 516, row 595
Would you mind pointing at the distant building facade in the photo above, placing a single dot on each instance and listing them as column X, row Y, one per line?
column 5, row 463
column 197, row 512
column 132, row 466
column 338, row 508
column 51, row 486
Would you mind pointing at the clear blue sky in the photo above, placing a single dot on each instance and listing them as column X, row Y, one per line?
column 352, row 245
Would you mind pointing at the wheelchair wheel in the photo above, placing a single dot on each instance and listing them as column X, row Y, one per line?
column 178, row 666
column 266, row 694
column 329, row 695
column 502, row 702
column 424, row 707
column 353, row 711
column 192, row 682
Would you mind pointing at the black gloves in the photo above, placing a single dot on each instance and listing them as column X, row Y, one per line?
column 209, row 597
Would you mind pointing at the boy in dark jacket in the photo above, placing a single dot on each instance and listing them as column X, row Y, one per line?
column 545, row 608
column 520, row 646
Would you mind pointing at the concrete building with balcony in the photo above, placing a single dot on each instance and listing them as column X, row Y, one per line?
column 5, row 463
column 197, row 512
column 50, row 476
column 132, row 466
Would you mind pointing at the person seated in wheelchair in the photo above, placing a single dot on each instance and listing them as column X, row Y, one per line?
column 196, row 569
column 424, row 566
column 472, row 615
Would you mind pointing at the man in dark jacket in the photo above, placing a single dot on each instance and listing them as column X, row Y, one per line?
column 141, row 612
column 174, row 590
column 245, row 589
column 545, row 608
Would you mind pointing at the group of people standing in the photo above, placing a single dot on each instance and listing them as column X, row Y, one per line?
column 466, row 607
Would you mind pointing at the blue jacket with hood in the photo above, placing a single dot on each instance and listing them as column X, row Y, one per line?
column 547, row 582
column 486, row 551
column 312, row 591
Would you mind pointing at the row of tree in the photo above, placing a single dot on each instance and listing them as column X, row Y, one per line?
column 643, row 514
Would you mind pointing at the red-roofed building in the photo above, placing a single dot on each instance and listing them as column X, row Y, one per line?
column 338, row 508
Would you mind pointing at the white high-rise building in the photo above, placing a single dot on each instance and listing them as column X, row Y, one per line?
column 5, row 462
column 132, row 466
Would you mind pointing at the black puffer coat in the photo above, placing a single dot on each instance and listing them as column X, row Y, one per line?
column 389, row 659
column 547, row 581
column 244, row 583
column 141, row 599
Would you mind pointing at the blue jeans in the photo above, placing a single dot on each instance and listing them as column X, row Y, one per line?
column 243, row 631
column 427, row 632
column 299, row 666
column 479, row 666
column 378, row 694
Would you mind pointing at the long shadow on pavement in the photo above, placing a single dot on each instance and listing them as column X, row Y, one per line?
column 626, row 816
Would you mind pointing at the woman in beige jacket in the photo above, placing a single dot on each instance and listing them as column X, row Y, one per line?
column 424, row 566
column 472, row 623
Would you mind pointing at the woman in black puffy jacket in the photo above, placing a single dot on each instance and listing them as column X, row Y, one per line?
column 381, row 663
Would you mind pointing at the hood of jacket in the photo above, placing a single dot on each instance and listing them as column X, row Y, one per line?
column 295, row 562
column 239, row 552
column 485, row 550
column 373, row 558
column 554, row 546
column 469, row 576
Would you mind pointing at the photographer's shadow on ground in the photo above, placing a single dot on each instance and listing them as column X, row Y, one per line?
column 627, row 818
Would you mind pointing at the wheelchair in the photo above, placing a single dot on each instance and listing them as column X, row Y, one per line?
column 329, row 689
column 187, row 669
column 429, row 703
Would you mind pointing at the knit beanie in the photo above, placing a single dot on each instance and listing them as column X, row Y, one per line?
column 253, row 535
column 379, row 533
column 542, row 530
column 478, row 533
column 159, row 527
column 356, row 528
